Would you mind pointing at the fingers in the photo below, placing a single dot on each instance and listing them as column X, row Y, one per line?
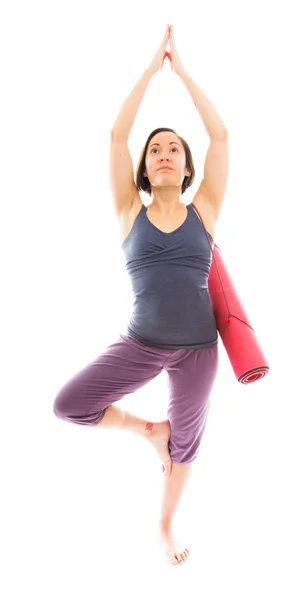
column 164, row 45
column 168, row 31
column 172, row 39
column 166, row 36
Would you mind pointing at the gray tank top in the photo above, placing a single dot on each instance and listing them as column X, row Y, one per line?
column 169, row 278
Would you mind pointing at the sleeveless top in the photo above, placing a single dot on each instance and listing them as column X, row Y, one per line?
column 169, row 273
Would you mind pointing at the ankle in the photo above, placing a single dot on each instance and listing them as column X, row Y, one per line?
column 136, row 425
column 165, row 524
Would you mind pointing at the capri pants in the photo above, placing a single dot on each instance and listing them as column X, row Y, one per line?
column 128, row 365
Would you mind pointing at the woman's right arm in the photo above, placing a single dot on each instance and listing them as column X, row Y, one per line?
column 125, row 120
column 122, row 182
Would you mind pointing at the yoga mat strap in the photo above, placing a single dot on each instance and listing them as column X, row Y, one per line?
column 227, row 319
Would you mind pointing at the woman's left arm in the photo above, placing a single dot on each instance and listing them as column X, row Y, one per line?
column 216, row 168
column 211, row 119
column 213, row 186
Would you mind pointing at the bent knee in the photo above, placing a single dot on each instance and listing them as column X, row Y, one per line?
column 68, row 401
column 69, row 405
column 61, row 407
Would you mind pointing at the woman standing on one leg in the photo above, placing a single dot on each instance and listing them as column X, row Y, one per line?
column 168, row 258
column 208, row 200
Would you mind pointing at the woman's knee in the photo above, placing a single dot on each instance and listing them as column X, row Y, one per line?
column 68, row 400
column 61, row 406
column 72, row 404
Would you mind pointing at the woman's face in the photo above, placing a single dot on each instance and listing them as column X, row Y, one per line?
column 166, row 150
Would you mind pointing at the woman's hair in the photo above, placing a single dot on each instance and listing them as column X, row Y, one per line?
column 143, row 183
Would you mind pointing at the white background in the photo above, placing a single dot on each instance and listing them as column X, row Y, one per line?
column 80, row 505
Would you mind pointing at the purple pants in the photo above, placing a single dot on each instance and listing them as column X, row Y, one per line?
column 128, row 365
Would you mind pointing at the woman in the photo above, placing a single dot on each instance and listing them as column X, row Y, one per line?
column 168, row 259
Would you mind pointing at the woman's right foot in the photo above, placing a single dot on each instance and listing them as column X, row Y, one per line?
column 159, row 437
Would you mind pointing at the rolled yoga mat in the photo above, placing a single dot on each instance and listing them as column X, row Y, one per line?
column 238, row 336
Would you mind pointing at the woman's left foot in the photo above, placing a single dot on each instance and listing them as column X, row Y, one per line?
column 176, row 553
column 159, row 437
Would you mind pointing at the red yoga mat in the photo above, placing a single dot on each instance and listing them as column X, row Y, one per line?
column 238, row 336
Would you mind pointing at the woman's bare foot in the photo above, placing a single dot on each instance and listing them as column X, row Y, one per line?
column 159, row 437
column 175, row 552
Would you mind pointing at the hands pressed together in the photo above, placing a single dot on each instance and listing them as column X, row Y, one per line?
column 161, row 54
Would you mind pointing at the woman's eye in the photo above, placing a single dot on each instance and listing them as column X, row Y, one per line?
column 171, row 149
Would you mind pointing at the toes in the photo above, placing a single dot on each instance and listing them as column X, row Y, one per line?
column 175, row 559
column 178, row 559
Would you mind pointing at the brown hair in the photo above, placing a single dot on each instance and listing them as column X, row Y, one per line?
column 143, row 183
